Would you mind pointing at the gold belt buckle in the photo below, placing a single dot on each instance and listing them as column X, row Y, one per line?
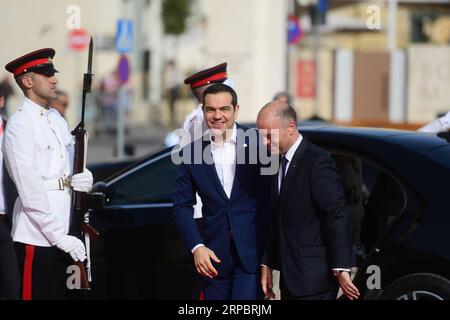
column 64, row 182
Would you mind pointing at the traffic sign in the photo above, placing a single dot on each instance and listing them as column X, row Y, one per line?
column 124, row 36
column 123, row 68
column 78, row 39
column 294, row 31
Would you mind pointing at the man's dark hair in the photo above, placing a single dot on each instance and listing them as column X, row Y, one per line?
column 19, row 82
column 219, row 88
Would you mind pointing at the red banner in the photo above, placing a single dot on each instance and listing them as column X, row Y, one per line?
column 306, row 79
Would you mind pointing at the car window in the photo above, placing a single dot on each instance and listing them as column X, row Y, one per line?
column 153, row 183
column 374, row 198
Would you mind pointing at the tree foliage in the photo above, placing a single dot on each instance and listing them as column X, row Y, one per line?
column 175, row 14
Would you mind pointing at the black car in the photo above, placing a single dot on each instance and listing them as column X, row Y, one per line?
column 395, row 183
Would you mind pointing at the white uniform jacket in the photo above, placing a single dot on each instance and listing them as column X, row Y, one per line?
column 38, row 148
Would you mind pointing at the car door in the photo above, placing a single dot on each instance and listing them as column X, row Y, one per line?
column 142, row 254
column 375, row 200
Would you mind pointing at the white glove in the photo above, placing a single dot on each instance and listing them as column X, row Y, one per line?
column 437, row 125
column 445, row 121
column 82, row 181
column 72, row 246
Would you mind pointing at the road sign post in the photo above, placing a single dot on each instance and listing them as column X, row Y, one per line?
column 124, row 44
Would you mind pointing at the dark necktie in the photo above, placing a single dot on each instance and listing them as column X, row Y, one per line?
column 284, row 163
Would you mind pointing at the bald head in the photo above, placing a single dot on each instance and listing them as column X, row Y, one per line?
column 280, row 111
column 277, row 122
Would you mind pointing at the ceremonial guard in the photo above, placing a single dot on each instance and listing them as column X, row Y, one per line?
column 38, row 150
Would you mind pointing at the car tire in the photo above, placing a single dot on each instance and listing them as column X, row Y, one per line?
column 418, row 286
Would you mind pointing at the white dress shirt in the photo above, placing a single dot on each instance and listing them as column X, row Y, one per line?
column 224, row 156
column 37, row 147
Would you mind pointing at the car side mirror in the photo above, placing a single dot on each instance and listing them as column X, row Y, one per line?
column 100, row 186
column 93, row 201
column 103, row 188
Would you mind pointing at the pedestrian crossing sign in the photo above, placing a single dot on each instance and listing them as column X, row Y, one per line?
column 124, row 36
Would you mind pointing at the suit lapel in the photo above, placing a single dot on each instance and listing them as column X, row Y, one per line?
column 212, row 173
column 293, row 169
column 240, row 148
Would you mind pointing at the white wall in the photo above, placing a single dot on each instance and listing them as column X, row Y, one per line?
column 397, row 86
column 428, row 82
column 31, row 25
column 251, row 36
column 343, row 91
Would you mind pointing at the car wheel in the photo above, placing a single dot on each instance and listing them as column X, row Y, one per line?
column 418, row 286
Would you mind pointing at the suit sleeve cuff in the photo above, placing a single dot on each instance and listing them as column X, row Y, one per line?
column 197, row 246
column 341, row 269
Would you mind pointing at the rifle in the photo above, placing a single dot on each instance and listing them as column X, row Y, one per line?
column 82, row 202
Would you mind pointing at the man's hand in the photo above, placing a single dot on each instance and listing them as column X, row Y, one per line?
column 202, row 260
column 347, row 285
column 267, row 283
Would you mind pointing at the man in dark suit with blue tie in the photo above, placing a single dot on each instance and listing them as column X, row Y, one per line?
column 236, row 212
column 310, row 239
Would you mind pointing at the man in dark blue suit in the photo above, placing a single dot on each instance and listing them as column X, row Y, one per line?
column 310, row 239
column 224, row 169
